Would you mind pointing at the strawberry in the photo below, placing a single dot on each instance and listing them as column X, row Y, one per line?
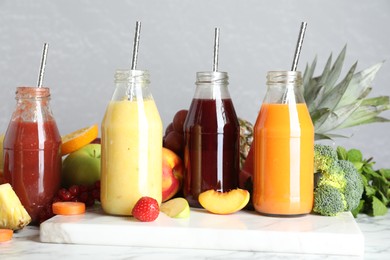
column 146, row 209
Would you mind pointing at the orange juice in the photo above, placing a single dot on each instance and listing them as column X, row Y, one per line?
column 283, row 160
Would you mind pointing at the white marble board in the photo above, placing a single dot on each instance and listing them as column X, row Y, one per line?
column 244, row 230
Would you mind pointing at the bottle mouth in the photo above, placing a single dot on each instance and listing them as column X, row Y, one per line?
column 215, row 77
column 32, row 92
column 284, row 77
column 131, row 76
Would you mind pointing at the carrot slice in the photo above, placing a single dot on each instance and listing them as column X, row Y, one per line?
column 79, row 138
column 68, row 208
column 6, row 234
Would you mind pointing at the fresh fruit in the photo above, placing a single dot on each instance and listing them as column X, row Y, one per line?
column 80, row 193
column 12, row 213
column 169, row 129
column 174, row 133
column 246, row 139
column 178, row 120
column 146, row 209
column 82, row 167
column 6, row 234
column 172, row 174
column 68, row 208
column 79, row 138
column 1, row 159
column 345, row 104
column 176, row 208
column 174, row 141
column 224, row 202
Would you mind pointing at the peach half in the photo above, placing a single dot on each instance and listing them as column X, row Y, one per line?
column 224, row 202
column 172, row 173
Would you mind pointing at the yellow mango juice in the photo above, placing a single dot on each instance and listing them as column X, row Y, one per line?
column 131, row 155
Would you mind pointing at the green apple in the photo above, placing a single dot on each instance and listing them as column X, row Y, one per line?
column 82, row 167
column 176, row 208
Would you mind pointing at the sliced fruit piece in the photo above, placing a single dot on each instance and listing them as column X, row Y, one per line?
column 6, row 234
column 12, row 213
column 176, row 208
column 79, row 138
column 224, row 202
column 146, row 209
column 68, row 208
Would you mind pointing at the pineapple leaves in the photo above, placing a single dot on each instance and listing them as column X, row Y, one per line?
column 336, row 69
column 333, row 97
column 360, row 85
column 345, row 104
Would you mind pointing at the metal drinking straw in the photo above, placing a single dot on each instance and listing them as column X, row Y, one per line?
column 43, row 65
column 299, row 46
column 216, row 49
column 136, row 45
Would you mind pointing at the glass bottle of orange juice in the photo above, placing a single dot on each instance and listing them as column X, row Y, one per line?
column 131, row 145
column 283, row 149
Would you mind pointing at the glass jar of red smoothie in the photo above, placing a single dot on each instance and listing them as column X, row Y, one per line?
column 32, row 151
column 212, row 132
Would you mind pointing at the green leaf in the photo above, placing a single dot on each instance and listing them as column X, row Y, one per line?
column 318, row 94
column 324, row 76
column 355, row 155
column 370, row 191
column 337, row 118
column 360, row 85
column 332, row 98
column 318, row 136
column 357, row 210
column 378, row 208
column 367, row 112
column 308, row 81
column 385, row 173
column 319, row 117
column 383, row 198
column 341, row 153
column 336, row 69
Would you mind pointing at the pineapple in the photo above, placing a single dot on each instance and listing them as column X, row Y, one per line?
column 345, row 104
column 12, row 213
column 246, row 138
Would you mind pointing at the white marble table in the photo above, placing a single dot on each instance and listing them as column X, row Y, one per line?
column 27, row 245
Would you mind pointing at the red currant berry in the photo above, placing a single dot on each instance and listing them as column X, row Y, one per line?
column 83, row 196
column 74, row 190
column 64, row 194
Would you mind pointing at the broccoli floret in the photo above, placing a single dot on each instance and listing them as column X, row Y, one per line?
column 324, row 157
column 328, row 200
column 353, row 185
column 339, row 186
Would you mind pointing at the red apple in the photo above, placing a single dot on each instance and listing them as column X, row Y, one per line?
column 172, row 174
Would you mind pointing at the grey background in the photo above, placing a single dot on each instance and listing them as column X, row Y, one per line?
column 89, row 40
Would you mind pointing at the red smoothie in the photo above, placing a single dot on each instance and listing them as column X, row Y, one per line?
column 32, row 163
column 211, row 154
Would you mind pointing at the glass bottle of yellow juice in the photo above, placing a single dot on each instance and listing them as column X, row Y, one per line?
column 131, row 145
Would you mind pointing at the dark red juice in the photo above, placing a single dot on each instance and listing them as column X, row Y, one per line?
column 212, row 148
column 32, row 163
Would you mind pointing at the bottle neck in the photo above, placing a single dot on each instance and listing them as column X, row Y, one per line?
column 284, row 87
column 212, row 85
column 132, row 85
column 32, row 104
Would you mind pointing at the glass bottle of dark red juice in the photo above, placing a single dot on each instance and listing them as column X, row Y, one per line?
column 211, row 129
column 32, row 150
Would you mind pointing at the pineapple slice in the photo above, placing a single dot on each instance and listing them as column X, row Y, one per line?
column 12, row 213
